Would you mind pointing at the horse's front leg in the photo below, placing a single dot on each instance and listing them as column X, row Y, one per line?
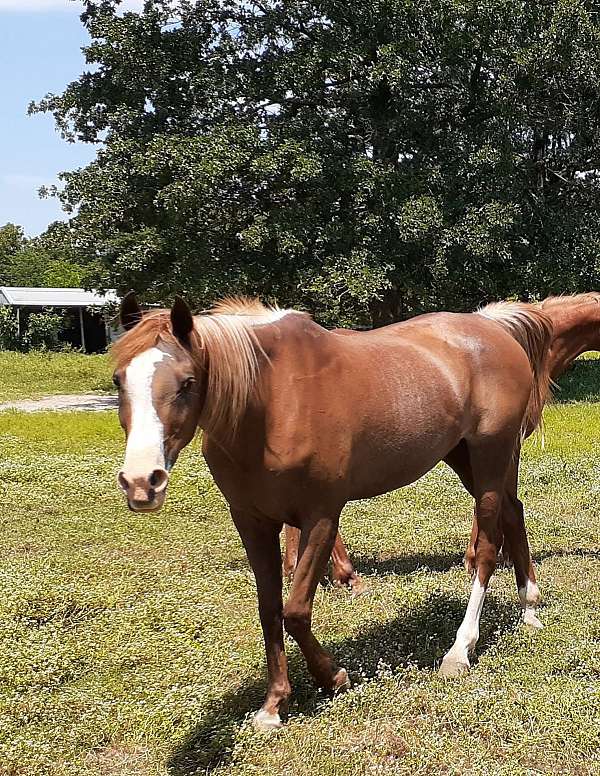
column 504, row 559
column 316, row 542
column 261, row 541
column 343, row 573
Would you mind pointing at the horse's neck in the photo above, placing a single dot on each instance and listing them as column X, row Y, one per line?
column 576, row 330
column 288, row 340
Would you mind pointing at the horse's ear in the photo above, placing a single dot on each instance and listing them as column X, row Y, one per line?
column 182, row 321
column 131, row 312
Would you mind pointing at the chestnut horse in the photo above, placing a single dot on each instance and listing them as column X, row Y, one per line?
column 576, row 329
column 299, row 420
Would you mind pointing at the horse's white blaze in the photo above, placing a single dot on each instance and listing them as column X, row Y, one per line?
column 145, row 443
column 468, row 633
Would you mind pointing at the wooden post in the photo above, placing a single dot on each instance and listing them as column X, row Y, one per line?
column 19, row 322
column 106, row 327
column 82, row 329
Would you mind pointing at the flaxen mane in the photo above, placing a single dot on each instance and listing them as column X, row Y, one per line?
column 532, row 329
column 557, row 301
column 222, row 343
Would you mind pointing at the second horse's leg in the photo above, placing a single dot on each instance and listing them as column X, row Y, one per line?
column 343, row 573
column 290, row 556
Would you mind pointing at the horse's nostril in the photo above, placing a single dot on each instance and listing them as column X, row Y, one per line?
column 123, row 481
column 158, row 479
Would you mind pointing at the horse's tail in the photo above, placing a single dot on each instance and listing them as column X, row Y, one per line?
column 532, row 329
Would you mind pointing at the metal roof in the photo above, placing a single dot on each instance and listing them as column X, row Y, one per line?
column 19, row 296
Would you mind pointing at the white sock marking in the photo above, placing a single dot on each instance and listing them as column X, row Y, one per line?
column 468, row 633
column 530, row 596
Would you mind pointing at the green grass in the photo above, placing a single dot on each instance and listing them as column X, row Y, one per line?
column 582, row 381
column 32, row 375
column 131, row 644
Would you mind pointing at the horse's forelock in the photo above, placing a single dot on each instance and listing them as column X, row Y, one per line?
column 145, row 335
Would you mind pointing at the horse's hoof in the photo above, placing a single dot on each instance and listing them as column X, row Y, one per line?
column 452, row 667
column 341, row 682
column 351, row 582
column 264, row 721
column 530, row 620
column 357, row 586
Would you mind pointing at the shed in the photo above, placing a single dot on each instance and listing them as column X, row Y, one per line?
column 76, row 299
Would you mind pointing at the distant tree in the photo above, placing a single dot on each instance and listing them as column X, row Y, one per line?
column 47, row 261
column 369, row 160
column 12, row 241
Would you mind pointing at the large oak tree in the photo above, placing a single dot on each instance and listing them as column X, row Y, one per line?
column 368, row 160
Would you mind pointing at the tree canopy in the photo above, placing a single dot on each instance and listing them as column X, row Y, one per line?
column 367, row 160
column 46, row 261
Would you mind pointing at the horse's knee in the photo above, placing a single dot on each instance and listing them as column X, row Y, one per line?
column 296, row 621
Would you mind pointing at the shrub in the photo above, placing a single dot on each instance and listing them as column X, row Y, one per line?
column 43, row 331
column 9, row 338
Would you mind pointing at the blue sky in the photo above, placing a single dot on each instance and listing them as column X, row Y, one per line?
column 40, row 52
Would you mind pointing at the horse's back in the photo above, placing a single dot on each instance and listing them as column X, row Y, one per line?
column 363, row 414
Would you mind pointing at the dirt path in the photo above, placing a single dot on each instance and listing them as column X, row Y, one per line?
column 87, row 401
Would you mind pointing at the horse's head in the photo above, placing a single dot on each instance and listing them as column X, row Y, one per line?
column 160, row 398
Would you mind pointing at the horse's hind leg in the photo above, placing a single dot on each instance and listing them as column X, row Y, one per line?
column 518, row 548
column 489, row 462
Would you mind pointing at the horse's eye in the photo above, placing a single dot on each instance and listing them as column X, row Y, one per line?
column 117, row 380
column 187, row 385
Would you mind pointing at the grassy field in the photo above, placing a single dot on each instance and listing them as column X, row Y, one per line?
column 31, row 375
column 130, row 645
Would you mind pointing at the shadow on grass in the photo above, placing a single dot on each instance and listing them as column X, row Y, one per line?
column 403, row 565
column 580, row 383
column 578, row 552
column 419, row 637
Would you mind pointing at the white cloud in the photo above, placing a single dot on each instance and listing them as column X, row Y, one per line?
column 60, row 5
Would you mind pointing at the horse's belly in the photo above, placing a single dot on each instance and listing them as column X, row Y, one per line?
column 399, row 457
column 386, row 481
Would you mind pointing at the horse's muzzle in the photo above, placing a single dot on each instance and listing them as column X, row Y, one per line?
column 144, row 493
